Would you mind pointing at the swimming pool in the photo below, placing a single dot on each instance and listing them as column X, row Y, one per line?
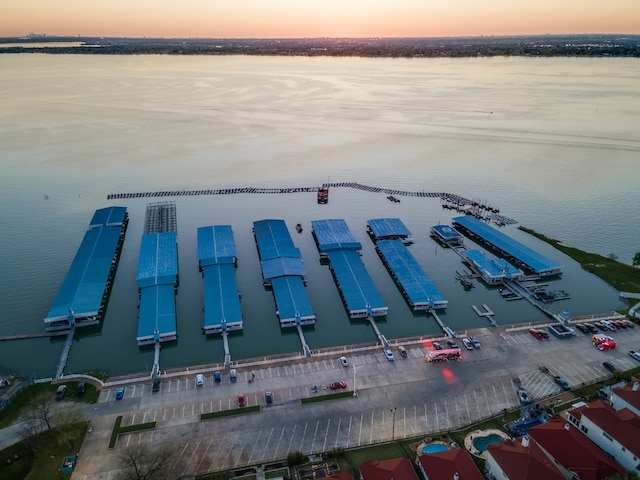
column 434, row 448
column 480, row 443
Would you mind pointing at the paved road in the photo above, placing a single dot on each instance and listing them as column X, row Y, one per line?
column 404, row 398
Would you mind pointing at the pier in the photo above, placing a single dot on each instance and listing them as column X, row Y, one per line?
column 64, row 356
column 488, row 313
column 381, row 338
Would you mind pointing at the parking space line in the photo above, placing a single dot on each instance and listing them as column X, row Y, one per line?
column 436, row 414
column 133, row 419
column 303, row 435
column 204, row 455
column 240, row 454
column 275, row 453
column 426, row 422
column 266, row 444
column 314, row 435
column 326, row 434
column 291, row 439
column 371, row 432
column 349, row 431
column 360, row 433
column 338, row 433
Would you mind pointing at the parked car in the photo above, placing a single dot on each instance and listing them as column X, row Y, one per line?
column 199, row 380
column 475, row 342
column 591, row 328
column 120, row 393
column 233, row 375
column 562, row 382
column 80, row 389
column 635, row 355
column 609, row 366
column 436, row 346
column 536, row 333
column 337, row 385
column 268, row 397
column 582, row 328
column 217, row 377
column 241, row 400
column 403, row 351
column 467, row 344
column 60, row 391
column 545, row 334
column 389, row 355
column 452, row 344
column 155, row 387
column 523, row 396
column 629, row 323
column 344, row 362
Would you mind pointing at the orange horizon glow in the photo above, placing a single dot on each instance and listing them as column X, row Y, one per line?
column 329, row 18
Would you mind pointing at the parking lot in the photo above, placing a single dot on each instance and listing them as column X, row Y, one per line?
column 395, row 399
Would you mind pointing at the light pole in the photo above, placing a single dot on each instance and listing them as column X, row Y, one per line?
column 393, row 424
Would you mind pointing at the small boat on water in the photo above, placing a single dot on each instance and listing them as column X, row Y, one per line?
column 323, row 194
column 298, row 228
column 393, row 199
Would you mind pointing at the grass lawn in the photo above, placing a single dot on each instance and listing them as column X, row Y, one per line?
column 47, row 461
column 620, row 276
column 13, row 411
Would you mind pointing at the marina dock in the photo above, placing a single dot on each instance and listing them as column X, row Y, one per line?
column 336, row 243
column 157, row 277
column 508, row 247
column 82, row 297
column 217, row 261
column 283, row 271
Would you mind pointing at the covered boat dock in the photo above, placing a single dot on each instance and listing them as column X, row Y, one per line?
column 157, row 281
column 283, row 270
column 506, row 246
column 217, row 261
column 336, row 243
column 417, row 287
column 493, row 270
column 447, row 235
column 389, row 229
column 82, row 296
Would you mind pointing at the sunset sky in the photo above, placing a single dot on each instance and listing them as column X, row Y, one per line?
column 308, row 18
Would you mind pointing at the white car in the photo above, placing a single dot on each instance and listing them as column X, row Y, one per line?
column 389, row 354
column 467, row 344
column 344, row 362
column 199, row 380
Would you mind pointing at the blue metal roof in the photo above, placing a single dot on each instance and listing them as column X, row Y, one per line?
column 388, row 227
column 333, row 234
column 282, row 266
column 274, row 240
column 532, row 259
column 216, row 245
column 293, row 303
column 81, row 292
column 216, row 253
column 158, row 263
column 221, row 300
column 447, row 233
column 157, row 312
column 355, row 284
column 421, row 293
column 109, row 217
column 492, row 269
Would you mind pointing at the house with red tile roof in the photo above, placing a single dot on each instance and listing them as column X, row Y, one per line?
column 521, row 459
column 614, row 431
column 627, row 397
column 452, row 464
column 565, row 445
column 395, row 469
column 340, row 475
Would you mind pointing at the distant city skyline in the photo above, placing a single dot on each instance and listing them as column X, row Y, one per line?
column 329, row 18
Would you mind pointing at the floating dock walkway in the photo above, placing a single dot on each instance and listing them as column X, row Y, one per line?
column 337, row 244
column 84, row 292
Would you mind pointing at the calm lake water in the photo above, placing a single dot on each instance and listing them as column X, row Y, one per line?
column 553, row 142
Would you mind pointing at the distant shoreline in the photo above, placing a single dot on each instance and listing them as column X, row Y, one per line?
column 588, row 45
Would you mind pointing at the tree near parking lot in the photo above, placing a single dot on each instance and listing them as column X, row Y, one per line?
column 143, row 463
column 636, row 260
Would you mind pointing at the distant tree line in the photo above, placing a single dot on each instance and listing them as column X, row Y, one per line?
column 536, row 46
